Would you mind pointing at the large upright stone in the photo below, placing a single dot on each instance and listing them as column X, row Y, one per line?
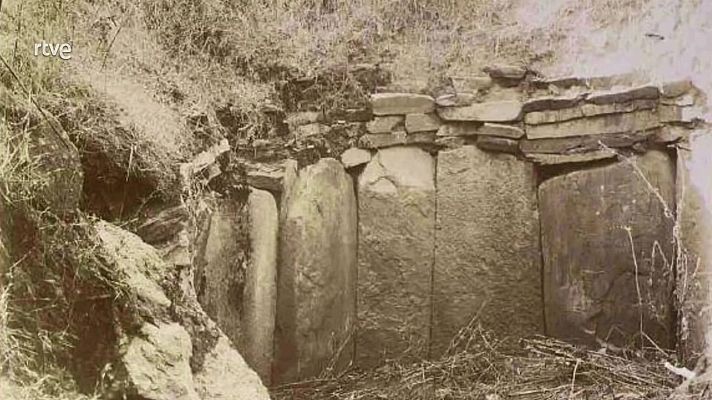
column 487, row 261
column 598, row 286
column 694, row 287
column 396, row 244
column 237, row 275
column 317, row 279
column 260, row 301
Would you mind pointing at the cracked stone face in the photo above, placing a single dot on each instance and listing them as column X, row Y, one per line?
column 396, row 244
column 605, row 280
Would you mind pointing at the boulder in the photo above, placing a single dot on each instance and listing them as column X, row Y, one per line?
column 598, row 286
column 602, row 124
column 317, row 281
column 396, row 243
column 493, row 111
column 355, row 157
column 401, row 103
column 694, row 289
column 157, row 363
column 226, row 376
column 178, row 352
column 487, row 260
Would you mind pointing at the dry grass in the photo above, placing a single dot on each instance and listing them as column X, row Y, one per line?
column 487, row 368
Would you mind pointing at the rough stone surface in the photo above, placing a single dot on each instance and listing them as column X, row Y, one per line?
column 500, row 130
column 163, row 225
column 354, row 157
column 157, row 363
column 649, row 92
column 591, row 279
column 377, row 141
column 222, row 262
column 401, row 103
column 226, row 376
column 675, row 114
column 309, row 130
column 676, row 88
column 456, row 100
column 502, row 145
column 590, row 110
column 582, row 144
column 317, row 300
column 260, row 295
column 554, row 159
column 694, row 292
column 460, row 129
column 396, row 245
column 265, row 176
column 552, row 103
column 506, row 71
column 386, row 124
column 551, row 116
column 487, row 263
column 421, row 123
column 493, row 111
column 598, row 125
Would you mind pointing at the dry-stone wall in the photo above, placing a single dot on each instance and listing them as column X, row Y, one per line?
column 520, row 204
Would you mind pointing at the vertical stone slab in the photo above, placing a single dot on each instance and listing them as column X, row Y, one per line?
column 317, row 277
column 237, row 275
column 596, row 287
column 258, row 319
column 396, row 244
column 487, row 261
column 694, row 265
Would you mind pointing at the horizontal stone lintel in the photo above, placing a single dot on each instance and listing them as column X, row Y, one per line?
column 597, row 125
column 483, row 129
column 588, row 143
column 554, row 159
column 492, row 111
column 586, row 110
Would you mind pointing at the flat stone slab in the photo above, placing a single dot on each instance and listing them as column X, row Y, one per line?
column 493, row 111
column 581, row 144
column 381, row 140
column 487, row 262
column 460, row 129
column 598, row 125
column 648, row 92
column 501, row 130
column 396, row 244
column 316, row 310
column 591, row 279
column 552, row 102
column 386, row 124
column 471, row 84
column 422, row 123
column 401, row 103
column 499, row 144
column 554, row 159
column 456, row 100
column 354, row 157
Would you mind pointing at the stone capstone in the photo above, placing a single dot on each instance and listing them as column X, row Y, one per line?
column 487, row 264
column 396, row 235
column 317, row 281
column 401, row 103
column 493, row 111
column 598, row 286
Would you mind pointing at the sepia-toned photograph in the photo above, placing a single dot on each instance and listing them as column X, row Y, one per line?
column 355, row 200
